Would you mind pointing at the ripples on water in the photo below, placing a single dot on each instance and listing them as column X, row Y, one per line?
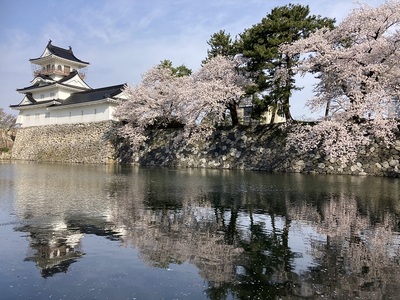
column 82, row 231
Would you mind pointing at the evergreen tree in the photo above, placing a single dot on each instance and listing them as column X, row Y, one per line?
column 264, row 61
column 179, row 71
column 220, row 44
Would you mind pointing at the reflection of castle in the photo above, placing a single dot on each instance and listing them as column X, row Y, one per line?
column 54, row 247
column 56, row 211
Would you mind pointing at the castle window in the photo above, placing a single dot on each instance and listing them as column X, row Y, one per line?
column 95, row 111
column 59, row 68
column 70, row 114
column 67, row 69
column 81, row 112
column 47, row 115
column 41, row 96
column 51, row 94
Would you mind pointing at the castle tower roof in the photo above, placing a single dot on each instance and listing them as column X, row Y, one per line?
column 52, row 51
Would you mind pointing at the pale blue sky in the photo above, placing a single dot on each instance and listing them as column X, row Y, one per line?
column 123, row 38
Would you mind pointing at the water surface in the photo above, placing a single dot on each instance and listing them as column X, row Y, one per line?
column 112, row 232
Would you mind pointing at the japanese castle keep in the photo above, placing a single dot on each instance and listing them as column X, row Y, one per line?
column 58, row 93
column 61, row 118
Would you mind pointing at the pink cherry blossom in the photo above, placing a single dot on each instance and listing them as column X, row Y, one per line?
column 358, row 67
column 198, row 102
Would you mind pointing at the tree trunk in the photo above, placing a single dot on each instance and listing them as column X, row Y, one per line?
column 287, row 90
column 234, row 115
column 286, row 110
column 273, row 114
column 328, row 106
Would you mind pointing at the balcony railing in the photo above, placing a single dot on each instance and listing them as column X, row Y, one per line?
column 56, row 72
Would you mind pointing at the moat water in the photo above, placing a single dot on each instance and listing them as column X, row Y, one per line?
column 112, row 232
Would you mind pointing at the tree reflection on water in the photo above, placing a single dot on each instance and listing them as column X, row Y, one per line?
column 251, row 235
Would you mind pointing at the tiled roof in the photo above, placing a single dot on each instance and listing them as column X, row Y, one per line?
column 63, row 53
column 35, row 103
column 47, row 77
column 94, row 95
column 28, row 88
column 68, row 77
column 36, row 85
column 81, row 97
column 30, row 98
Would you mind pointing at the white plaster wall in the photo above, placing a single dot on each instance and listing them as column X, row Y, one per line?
column 81, row 114
column 58, row 94
column 63, row 95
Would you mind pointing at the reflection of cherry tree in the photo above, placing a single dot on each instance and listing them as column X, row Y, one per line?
column 355, row 255
column 216, row 231
column 264, row 270
column 173, row 230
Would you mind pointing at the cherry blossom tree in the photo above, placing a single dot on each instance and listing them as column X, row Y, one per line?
column 219, row 87
column 151, row 104
column 197, row 102
column 7, row 121
column 358, row 64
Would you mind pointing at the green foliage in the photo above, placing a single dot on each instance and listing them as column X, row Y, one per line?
column 221, row 44
column 260, row 46
column 179, row 71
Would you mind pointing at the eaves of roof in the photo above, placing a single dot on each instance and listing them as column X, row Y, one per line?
column 87, row 103
column 36, row 86
column 94, row 94
column 36, row 104
column 62, row 53
column 50, row 85
column 88, row 97
column 68, row 77
column 44, row 77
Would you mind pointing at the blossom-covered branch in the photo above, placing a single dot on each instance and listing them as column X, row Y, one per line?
column 358, row 67
column 197, row 102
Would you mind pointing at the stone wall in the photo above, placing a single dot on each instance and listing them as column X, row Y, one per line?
column 257, row 148
column 69, row 143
